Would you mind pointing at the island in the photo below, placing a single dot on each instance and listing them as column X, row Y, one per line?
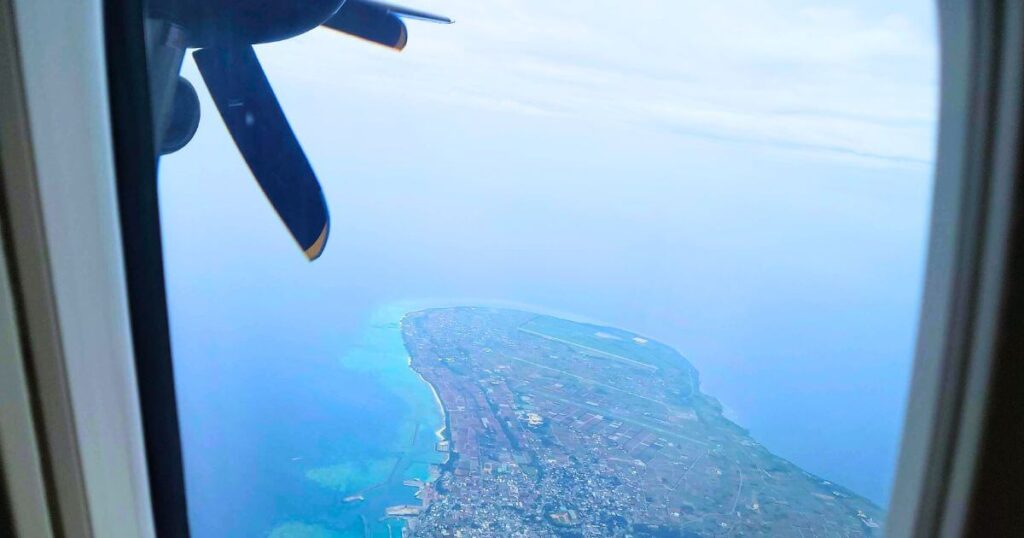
column 560, row 428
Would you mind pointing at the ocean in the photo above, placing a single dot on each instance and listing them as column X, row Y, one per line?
column 295, row 449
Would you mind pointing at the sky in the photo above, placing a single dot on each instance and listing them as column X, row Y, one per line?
column 813, row 76
column 746, row 181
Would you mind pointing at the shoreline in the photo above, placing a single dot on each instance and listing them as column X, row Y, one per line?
column 440, row 433
column 424, row 489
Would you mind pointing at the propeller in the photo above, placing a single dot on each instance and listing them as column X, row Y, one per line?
column 253, row 116
column 378, row 22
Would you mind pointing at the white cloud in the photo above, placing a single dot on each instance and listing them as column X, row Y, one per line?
column 812, row 76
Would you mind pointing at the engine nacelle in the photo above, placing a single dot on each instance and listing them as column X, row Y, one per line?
column 184, row 118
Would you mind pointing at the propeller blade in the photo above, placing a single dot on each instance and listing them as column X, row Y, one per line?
column 407, row 13
column 254, row 118
column 378, row 22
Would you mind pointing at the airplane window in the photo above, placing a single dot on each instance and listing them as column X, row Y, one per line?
column 522, row 268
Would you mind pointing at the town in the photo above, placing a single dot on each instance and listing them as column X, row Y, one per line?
column 557, row 428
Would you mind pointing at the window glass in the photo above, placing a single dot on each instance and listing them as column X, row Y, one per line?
column 593, row 269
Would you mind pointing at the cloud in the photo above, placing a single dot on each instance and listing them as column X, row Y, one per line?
column 850, row 79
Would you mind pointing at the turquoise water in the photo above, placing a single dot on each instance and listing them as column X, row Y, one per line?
column 324, row 430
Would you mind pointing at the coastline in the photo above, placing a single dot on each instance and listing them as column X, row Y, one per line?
column 442, row 432
column 425, row 490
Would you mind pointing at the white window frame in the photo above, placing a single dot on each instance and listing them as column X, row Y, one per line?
column 965, row 283
column 64, row 240
column 67, row 365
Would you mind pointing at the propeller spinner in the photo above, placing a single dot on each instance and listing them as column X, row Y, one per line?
column 224, row 32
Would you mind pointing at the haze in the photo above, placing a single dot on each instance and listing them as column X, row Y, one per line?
column 746, row 181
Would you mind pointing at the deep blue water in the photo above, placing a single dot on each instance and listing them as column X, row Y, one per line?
column 274, row 444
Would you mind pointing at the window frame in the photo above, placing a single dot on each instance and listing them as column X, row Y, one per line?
column 139, row 210
column 970, row 300
column 63, row 253
column 82, row 248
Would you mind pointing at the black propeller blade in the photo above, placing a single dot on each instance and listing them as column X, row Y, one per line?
column 250, row 110
column 378, row 22
column 254, row 117
column 408, row 13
